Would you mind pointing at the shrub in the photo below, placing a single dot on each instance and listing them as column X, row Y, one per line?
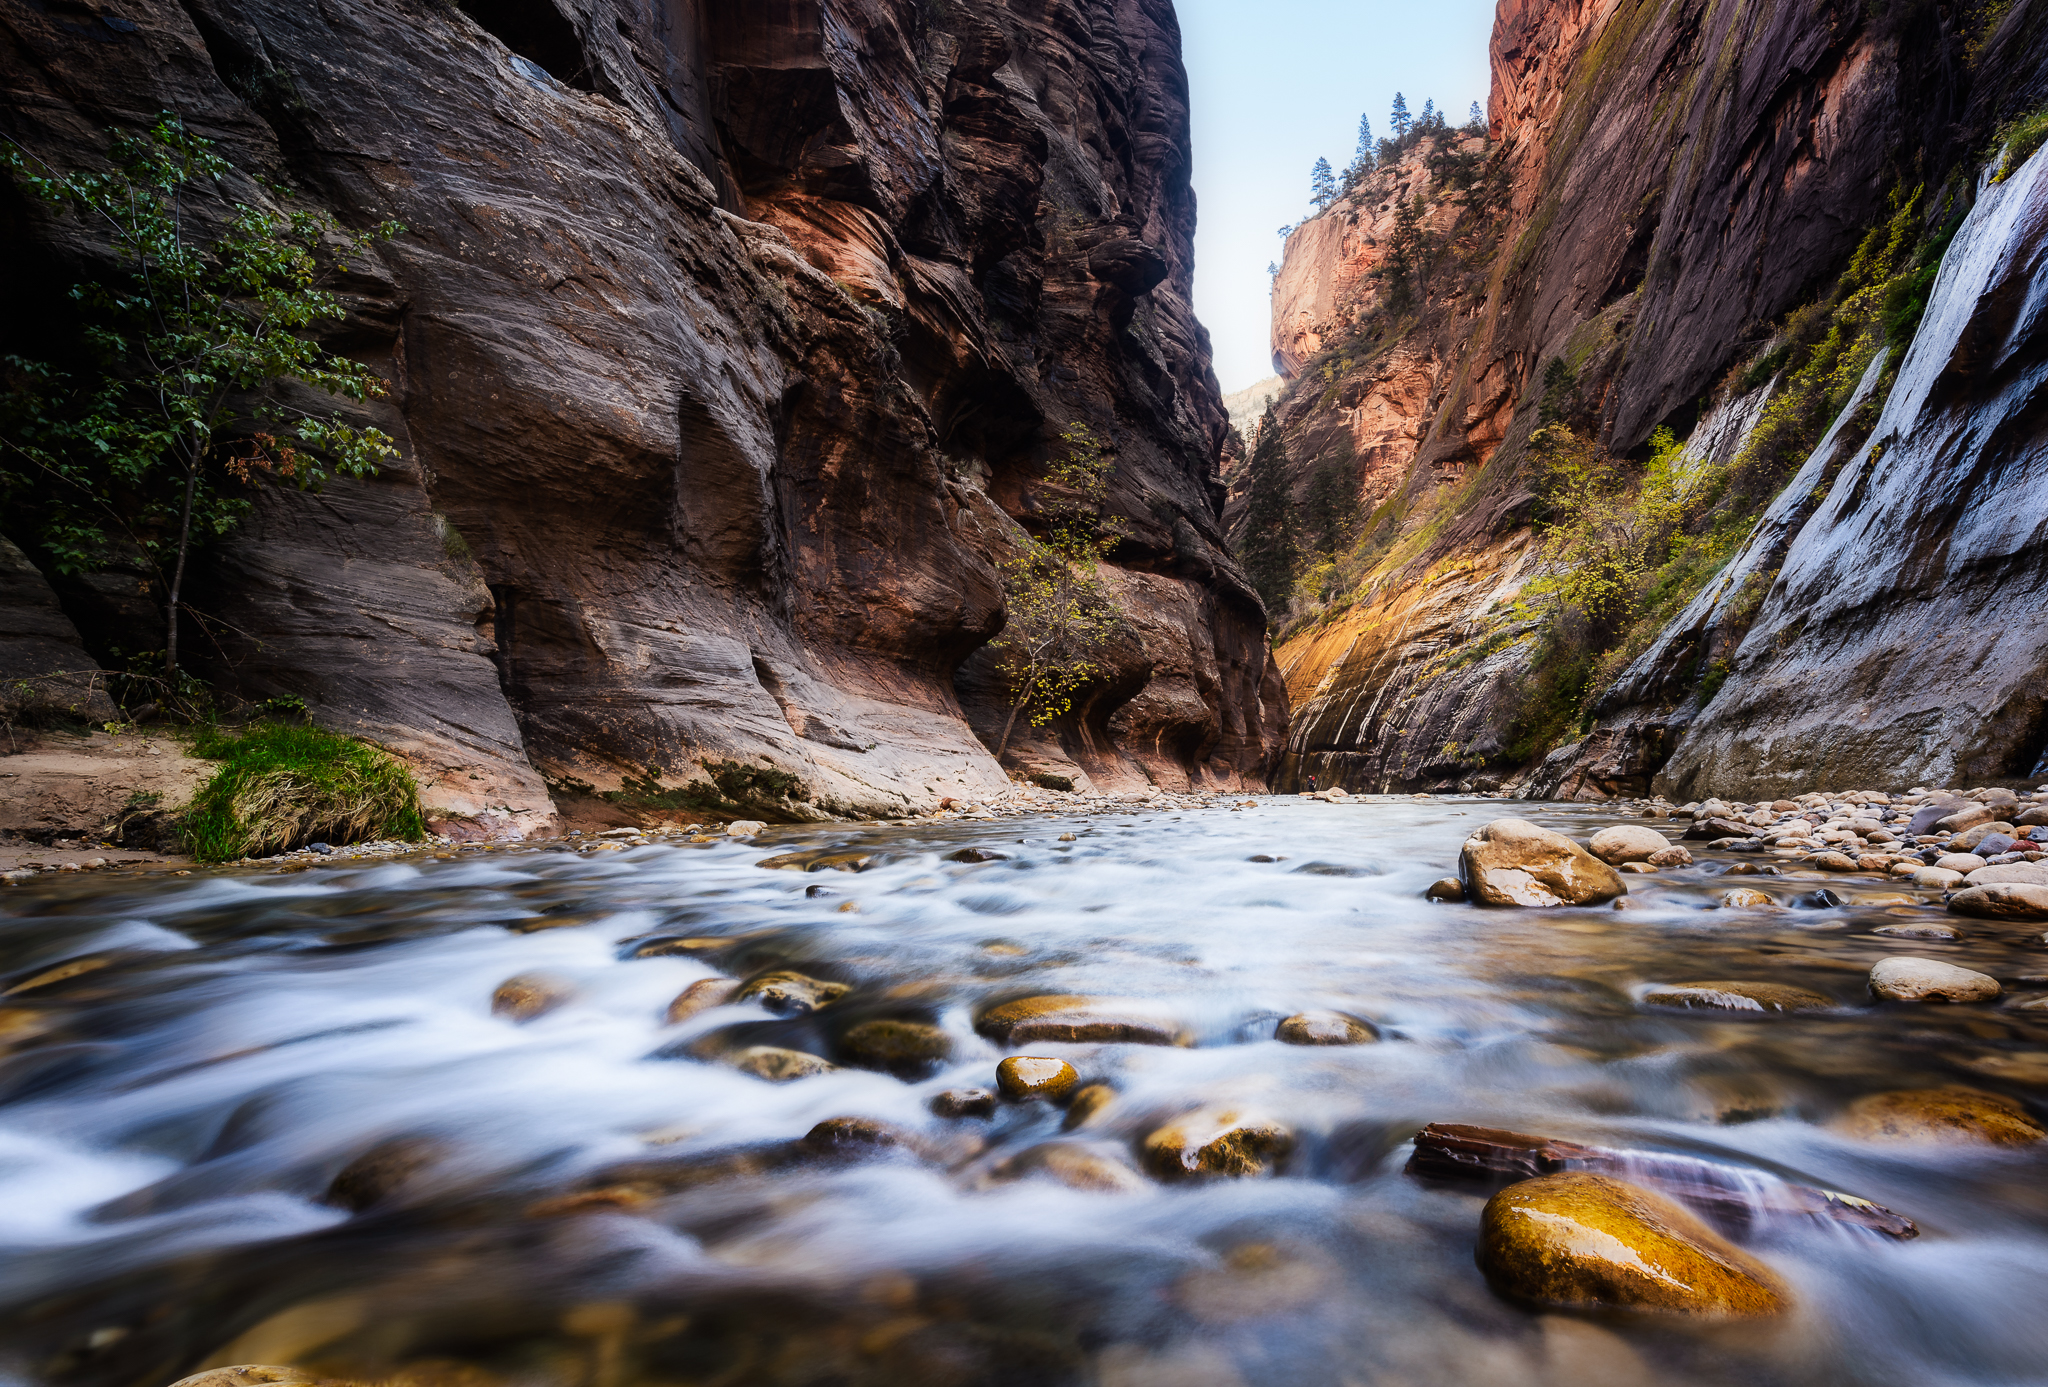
column 283, row 787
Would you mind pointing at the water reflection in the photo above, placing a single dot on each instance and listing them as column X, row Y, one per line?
column 282, row 1123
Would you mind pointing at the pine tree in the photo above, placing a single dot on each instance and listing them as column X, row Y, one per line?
column 1363, row 160
column 1322, row 184
column 1399, row 119
column 1428, row 121
column 1268, row 550
column 1478, row 119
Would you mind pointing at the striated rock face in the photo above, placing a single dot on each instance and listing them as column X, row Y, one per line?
column 727, row 341
column 1660, row 184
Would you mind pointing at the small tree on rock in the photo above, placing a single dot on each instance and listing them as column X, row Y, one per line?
column 1268, row 549
column 1322, row 184
column 1399, row 121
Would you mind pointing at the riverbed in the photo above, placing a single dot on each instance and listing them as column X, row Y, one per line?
column 596, row 1196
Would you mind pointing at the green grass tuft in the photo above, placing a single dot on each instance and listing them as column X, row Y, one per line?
column 285, row 786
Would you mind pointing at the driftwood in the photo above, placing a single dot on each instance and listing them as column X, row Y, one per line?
column 1448, row 1150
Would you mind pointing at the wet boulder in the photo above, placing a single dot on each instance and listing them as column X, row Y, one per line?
column 1216, row 1141
column 1736, row 996
column 1670, row 855
column 2010, row 874
column 855, row 1136
column 1963, row 819
column 1026, row 1078
column 1445, row 889
column 1077, row 1165
column 965, row 1102
column 1940, row 1114
column 2001, row 900
column 791, row 994
column 1325, row 1028
column 1746, row 898
column 701, row 995
column 379, row 1173
column 1627, row 843
column 780, row 1066
column 1906, row 979
column 530, row 996
column 907, row 1049
column 1514, row 862
column 1080, row 1020
column 1590, row 1242
column 1087, row 1102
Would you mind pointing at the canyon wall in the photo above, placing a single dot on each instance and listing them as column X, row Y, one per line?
column 728, row 340
column 1662, row 184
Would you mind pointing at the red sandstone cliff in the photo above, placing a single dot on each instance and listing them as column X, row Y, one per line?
column 727, row 340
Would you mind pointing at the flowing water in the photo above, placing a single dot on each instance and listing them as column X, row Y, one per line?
column 172, row 1124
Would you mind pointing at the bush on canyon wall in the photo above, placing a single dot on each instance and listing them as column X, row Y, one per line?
column 284, row 786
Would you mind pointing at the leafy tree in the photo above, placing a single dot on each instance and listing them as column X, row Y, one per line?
column 1322, row 184
column 179, row 413
column 1058, row 614
column 1268, row 548
column 1399, row 121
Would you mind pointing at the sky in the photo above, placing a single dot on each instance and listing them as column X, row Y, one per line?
column 1276, row 83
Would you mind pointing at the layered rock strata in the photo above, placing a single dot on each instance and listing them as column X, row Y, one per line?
column 727, row 342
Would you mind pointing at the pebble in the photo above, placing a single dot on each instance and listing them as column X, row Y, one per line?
column 1027, row 1078
column 1940, row 1114
column 1325, row 1028
column 1590, row 1242
column 1216, row 1141
column 1926, row 979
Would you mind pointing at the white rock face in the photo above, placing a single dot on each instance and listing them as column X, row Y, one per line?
column 1929, row 980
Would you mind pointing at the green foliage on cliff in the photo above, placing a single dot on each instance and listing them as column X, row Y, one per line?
column 149, row 444
column 1269, row 548
column 284, row 786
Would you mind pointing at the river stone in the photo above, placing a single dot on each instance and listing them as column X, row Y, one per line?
column 1089, row 1101
column 1627, row 843
column 1079, row 1020
column 2001, row 900
column 780, row 1066
column 250, row 1375
column 1023, row 1078
column 1964, row 862
column 965, row 1102
column 1325, row 1028
column 854, row 1136
column 701, row 995
column 1965, row 818
column 1671, row 855
column 380, row 1172
column 2010, row 873
column 1835, row 862
column 1925, row 979
column 1446, row 889
column 2036, row 817
column 530, row 995
column 1937, row 878
column 1745, row 897
column 1940, row 1114
column 1513, row 862
column 1924, row 929
column 1737, row 996
column 1990, row 845
column 1075, row 1165
column 1589, row 1242
column 791, row 994
column 907, row 1049
column 1216, row 1141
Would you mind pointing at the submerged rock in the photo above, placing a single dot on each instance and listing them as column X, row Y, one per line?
column 701, row 995
column 1746, row 898
column 1929, row 980
column 791, row 994
column 780, row 1066
column 1325, row 1028
column 1216, row 1141
column 1737, row 996
column 382, row 1171
column 1590, row 1242
column 1445, row 889
column 965, row 1102
column 1627, row 843
column 908, row 1049
column 1089, row 1101
column 1079, row 1020
column 530, row 995
column 1074, row 1164
column 1514, row 862
column 1024, row 1078
column 1940, row 1114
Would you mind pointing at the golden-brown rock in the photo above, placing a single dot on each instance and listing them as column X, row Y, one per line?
column 1325, row 1028
column 531, row 995
column 907, row 1049
column 1025, row 1078
column 1514, row 862
column 1090, row 1100
column 1591, row 1242
column 1216, row 1141
column 778, row 1065
column 790, row 993
column 1736, row 996
column 701, row 995
column 1941, row 1114
column 1080, row 1019
column 1076, row 1165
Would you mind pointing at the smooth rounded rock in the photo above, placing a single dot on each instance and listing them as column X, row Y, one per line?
column 907, row 1049
column 530, row 996
column 1590, row 1242
column 1964, row 862
column 1907, row 979
column 965, row 1102
column 744, row 828
column 1937, row 878
column 1671, row 856
column 1835, row 862
column 1216, row 1141
column 1736, row 996
column 1325, row 1028
column 1627, row 843
column 2011, row 874
column 1512, row 862
column 780, row 1066
column 1025, row 1078
column 1746, row 898
column 1075, row 1165
column 1090, row 1100
column 1446, row 889
column 1079, row 1020
column 701, row 995
column 1940, row 1114
column 250, row 1375
column 791, row 994
column 2001, row 900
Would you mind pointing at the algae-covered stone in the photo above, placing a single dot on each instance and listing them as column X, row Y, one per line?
column 780, row 1066
column 1929, row 980
column 1627, row 843
column 908, row 1049
column 1736, row 996
column 1940, row 1114
column 1216, row 1141
column 1079, row 1020
column 1513, row 862
column 530, row 995
column 1589, row 1242
column 791, row 994
column 1325, row 1028
column 1023, row 1078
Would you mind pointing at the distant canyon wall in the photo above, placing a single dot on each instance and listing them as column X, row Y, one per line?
column 1660, row 185
column 727, row 341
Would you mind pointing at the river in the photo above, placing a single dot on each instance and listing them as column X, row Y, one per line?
column 172, row 1124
